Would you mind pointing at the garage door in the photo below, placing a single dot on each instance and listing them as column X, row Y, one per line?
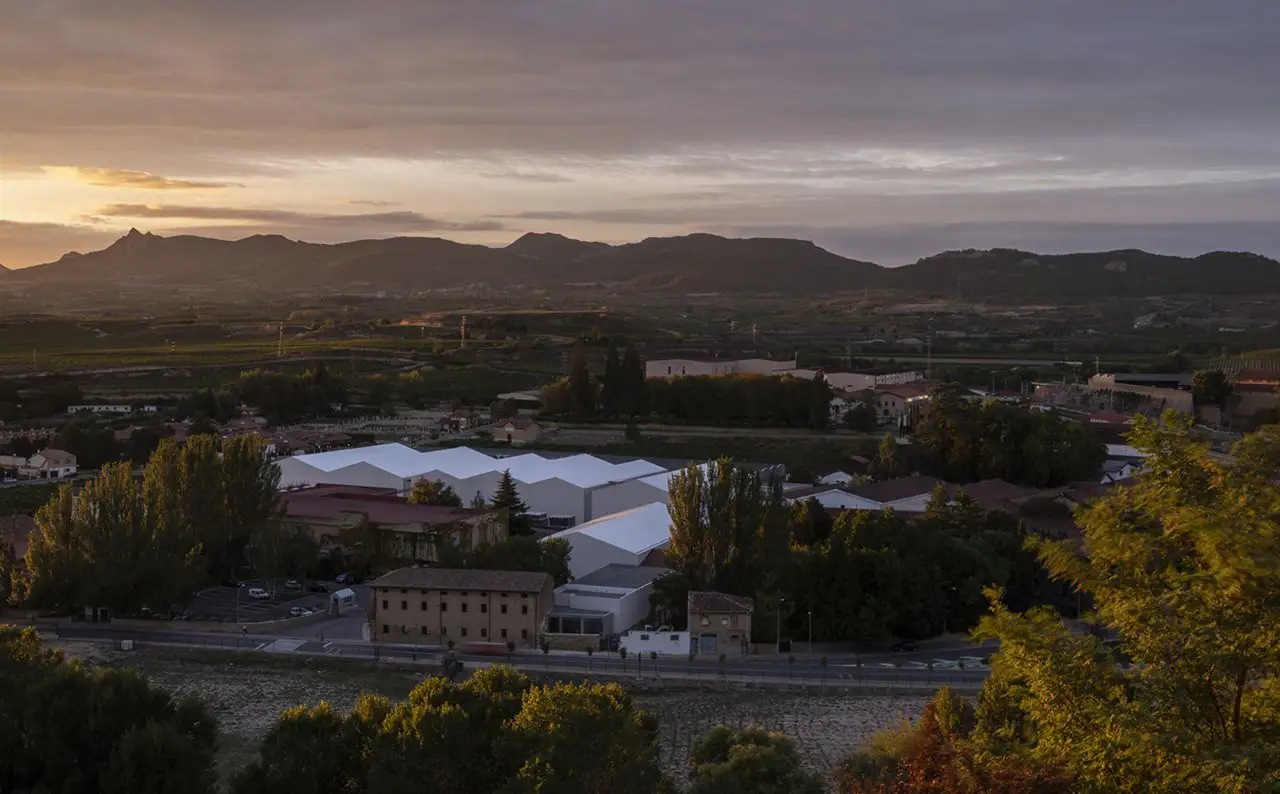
column 707, row 643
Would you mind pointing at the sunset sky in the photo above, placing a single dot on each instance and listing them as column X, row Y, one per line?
column 882, row 129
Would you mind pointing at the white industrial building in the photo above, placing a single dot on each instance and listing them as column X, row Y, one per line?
column 626, row 538
column 566, row 487
column 902, row 495
column 608, row 601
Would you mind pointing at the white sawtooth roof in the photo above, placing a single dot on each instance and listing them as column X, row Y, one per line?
column 662, row 480
column 584, row 471
column 636, row 531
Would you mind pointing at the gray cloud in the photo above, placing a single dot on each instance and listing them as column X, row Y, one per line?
column 837, row 115
column 403, row 221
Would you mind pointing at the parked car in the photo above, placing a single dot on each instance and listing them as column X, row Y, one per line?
column 293, row 584
column 298, row 612
column 348, row 578
column 905, row 645
column 258, row 593
column 342, row 578
column 318, row 587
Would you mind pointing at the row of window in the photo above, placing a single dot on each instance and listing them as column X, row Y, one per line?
column 444, row 607
column 444, row 632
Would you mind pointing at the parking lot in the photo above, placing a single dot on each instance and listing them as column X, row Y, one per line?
column 228, row 604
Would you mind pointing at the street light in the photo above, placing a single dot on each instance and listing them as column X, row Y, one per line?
column 777, row 637
column 811, row 632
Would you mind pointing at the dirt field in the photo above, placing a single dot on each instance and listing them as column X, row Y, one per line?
column 247, row 694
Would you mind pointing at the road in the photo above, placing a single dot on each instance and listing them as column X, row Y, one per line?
column 874, row 670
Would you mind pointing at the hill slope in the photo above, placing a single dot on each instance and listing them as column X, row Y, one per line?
column 696, row 263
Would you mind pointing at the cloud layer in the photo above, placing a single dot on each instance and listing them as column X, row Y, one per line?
column 598, row 118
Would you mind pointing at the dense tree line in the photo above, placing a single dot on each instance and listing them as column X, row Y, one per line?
column 200, row 513
column 864, row 576
column 1181, row 567
column 962, row 442
column 741, row 400
column 69, row 729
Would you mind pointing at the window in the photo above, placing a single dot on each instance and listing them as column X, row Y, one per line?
column 503, row 607
column 592, row 626
column 524, row 609
column 384, row 603
column 386, row 629
column 644, row 637
column 706, row 621
column 463, row 593
column 524, row 634
column 444, row 606
column 425, row 631
column 404, row 604
column 733, row 621
column 464, row 631
column 724, row 621
column 444, row 592
column 484, row 594
column 484, row 633
column 484, row 607
column 504, row 634
column 443, row 631
column 504, row 595
column 675, row 637
column 403, row 591
column 424, row 606
column 464, row 606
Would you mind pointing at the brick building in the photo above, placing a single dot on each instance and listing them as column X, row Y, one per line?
column 432, row 606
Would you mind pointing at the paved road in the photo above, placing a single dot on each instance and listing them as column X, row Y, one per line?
column 912, row 672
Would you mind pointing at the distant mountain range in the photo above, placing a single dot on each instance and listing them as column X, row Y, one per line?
column 696, row 263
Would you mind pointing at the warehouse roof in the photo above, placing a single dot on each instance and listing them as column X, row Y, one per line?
column 638, row 530
column 584, row 471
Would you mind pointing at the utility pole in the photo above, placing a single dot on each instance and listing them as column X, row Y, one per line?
column 753, row 334
column 463, row 332
column 280, row 343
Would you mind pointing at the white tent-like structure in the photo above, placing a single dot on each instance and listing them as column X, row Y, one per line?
column 556, row 486
column 625, row 538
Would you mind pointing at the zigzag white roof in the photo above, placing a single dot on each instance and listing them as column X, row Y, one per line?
column 584, row 471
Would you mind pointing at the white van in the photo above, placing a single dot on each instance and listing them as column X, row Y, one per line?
column 258, row 593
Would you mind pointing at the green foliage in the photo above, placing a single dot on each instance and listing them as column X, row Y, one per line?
column 939, row 755
column 1182, row 566
column 434, row 492
column 495, row 732
column 25, row 499
column 861, row 417
column 516, row 553
column 93, row 445
column 63, row 728
column 888, row 463
column 507, row 497
column 122, row 544
column 741, row 400
column 612, row 385
column 582, row 389
column 864, row 576
column 966, row 442
column 1211, row 387
column 284, row 398
column 633, row 391
column 749, row 761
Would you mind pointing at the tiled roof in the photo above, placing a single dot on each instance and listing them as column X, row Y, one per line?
column 332, row 502
column 706, row 602
column 900, row 488
column 459, row 579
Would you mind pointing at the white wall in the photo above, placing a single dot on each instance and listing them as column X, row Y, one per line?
column 914, row 504
column 628, row 607
column 643, row 642
column 615, row 497
column 588, row 555
column 555, row 497
column 294, row 472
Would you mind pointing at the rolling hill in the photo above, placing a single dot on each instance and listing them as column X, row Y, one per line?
column 695, row 263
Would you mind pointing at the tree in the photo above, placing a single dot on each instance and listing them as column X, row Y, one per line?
column 612, row 386
column 861, row 417
column 494, row 732
column 8, row 568
column 748, row 761
column 583, row 738
column 633, row 393
column 819, row 401
column 64, row 728
column 1181, row 568
column 433, row 492
column 1211, row 387
column 886, row 465
column 582, row 391
column 507, row 497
